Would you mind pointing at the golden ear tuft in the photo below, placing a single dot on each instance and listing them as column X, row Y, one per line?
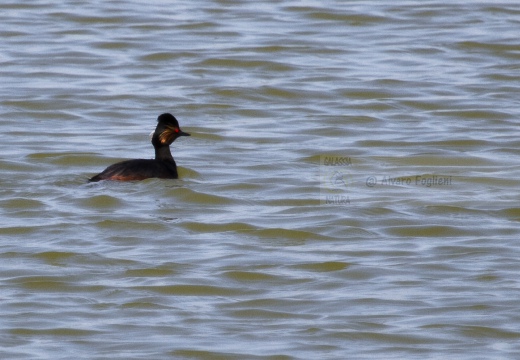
column 168, row 135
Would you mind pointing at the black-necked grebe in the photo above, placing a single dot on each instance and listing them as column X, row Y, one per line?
column 163, row 166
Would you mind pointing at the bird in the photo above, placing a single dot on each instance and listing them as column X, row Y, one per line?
column 163, row 166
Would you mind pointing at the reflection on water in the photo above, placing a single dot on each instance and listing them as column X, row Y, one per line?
column 349, row 186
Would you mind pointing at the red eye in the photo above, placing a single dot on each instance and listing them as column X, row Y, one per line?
column 176, row 130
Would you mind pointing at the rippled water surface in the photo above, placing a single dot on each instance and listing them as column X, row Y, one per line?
column 350, row 188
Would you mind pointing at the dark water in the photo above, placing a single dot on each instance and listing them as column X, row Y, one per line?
column 350, row 188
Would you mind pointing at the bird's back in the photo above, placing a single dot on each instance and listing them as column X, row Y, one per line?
column 138, row 169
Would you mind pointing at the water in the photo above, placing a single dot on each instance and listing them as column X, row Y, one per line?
column 350, row 188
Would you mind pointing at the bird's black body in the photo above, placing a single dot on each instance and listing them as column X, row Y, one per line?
column 163, row 166
column 138, row 169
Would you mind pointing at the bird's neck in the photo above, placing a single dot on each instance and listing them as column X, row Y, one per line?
column 163, row 153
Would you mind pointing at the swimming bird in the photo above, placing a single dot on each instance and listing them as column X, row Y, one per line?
column 163, row 166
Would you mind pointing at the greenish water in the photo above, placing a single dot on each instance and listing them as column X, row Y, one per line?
column 350, row 188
